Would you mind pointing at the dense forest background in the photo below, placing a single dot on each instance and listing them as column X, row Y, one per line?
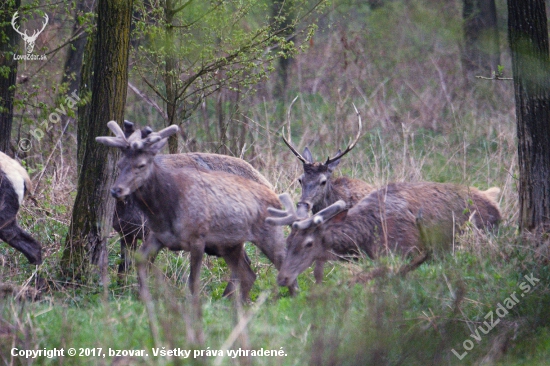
column 432, row 81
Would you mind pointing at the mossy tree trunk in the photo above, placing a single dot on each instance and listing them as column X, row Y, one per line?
column 93, row 208
column 9, row 40
column 481, row 52
column 73, row 62
column 528, row 39
column 283, row 10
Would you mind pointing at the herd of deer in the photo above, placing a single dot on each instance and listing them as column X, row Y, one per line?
column 213, row 204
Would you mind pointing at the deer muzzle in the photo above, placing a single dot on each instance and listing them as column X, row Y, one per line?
column 302, row 210
column 119, row 193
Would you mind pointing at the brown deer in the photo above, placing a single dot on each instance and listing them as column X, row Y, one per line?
column 387, row 220
column 319, row 190
column 14, row 185
column 194, row 209
column 129, row 221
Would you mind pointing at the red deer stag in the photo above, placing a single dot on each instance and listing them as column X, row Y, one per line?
column 318, row 188
column 385, row 220
column 14, row 184
column 129, row 221
column 194, row 209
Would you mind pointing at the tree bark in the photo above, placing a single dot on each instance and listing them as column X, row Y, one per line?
column 73, row 63
column 282, row 8
column 528, row 39
column 170, row 74
column 481, row 53
column 8, row 80
column 93, row 208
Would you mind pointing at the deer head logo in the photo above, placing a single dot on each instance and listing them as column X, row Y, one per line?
column 29, row 40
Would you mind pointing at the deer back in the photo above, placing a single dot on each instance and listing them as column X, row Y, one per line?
column 402, row 217
column 440, row 209
column 215, row 162
column 350, row 190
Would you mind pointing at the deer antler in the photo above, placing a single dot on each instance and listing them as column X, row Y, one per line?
column 152, row 137
column 282, row 217
column 136, row 141
column 321, row 216
column 119, row 140
column 298, row 155
column 351, row 145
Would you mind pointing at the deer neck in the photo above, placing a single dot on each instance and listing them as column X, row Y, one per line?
column 353, row 235
column 158, row 196
column 329, row 198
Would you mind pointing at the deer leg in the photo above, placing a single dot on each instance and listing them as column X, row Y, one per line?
column 230, row 288
column 146, row 254
column 197, row 252
column 318, row 272
column 241, row 273
column 148, row 251
column 22, row 241
column 127, row 243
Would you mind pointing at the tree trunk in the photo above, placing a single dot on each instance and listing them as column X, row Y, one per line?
column 73, row 63
column 93, row 208
column 282, row 8
column 481, row 53
column 7, row 82
column 528, row 38
column 170, row 74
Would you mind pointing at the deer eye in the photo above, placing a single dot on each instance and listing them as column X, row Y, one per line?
column 309, row 244
column 300, row 180
column 141, row 166
column 323, row 182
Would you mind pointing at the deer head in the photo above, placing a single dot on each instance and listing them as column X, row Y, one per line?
column 315, row 181
column 29, row 40
column 305, row 242
column 136, row 164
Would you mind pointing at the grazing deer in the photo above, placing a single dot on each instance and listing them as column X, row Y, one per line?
column 129, row 221
column 194, row 209
column 385, row 220
column 318, row 188
column 14, row 185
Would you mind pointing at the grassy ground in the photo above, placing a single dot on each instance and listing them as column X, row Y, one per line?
column 416, row 320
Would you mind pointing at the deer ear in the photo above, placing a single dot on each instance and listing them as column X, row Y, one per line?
column 129, row 128
column 308, row 156
column 146, row 132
